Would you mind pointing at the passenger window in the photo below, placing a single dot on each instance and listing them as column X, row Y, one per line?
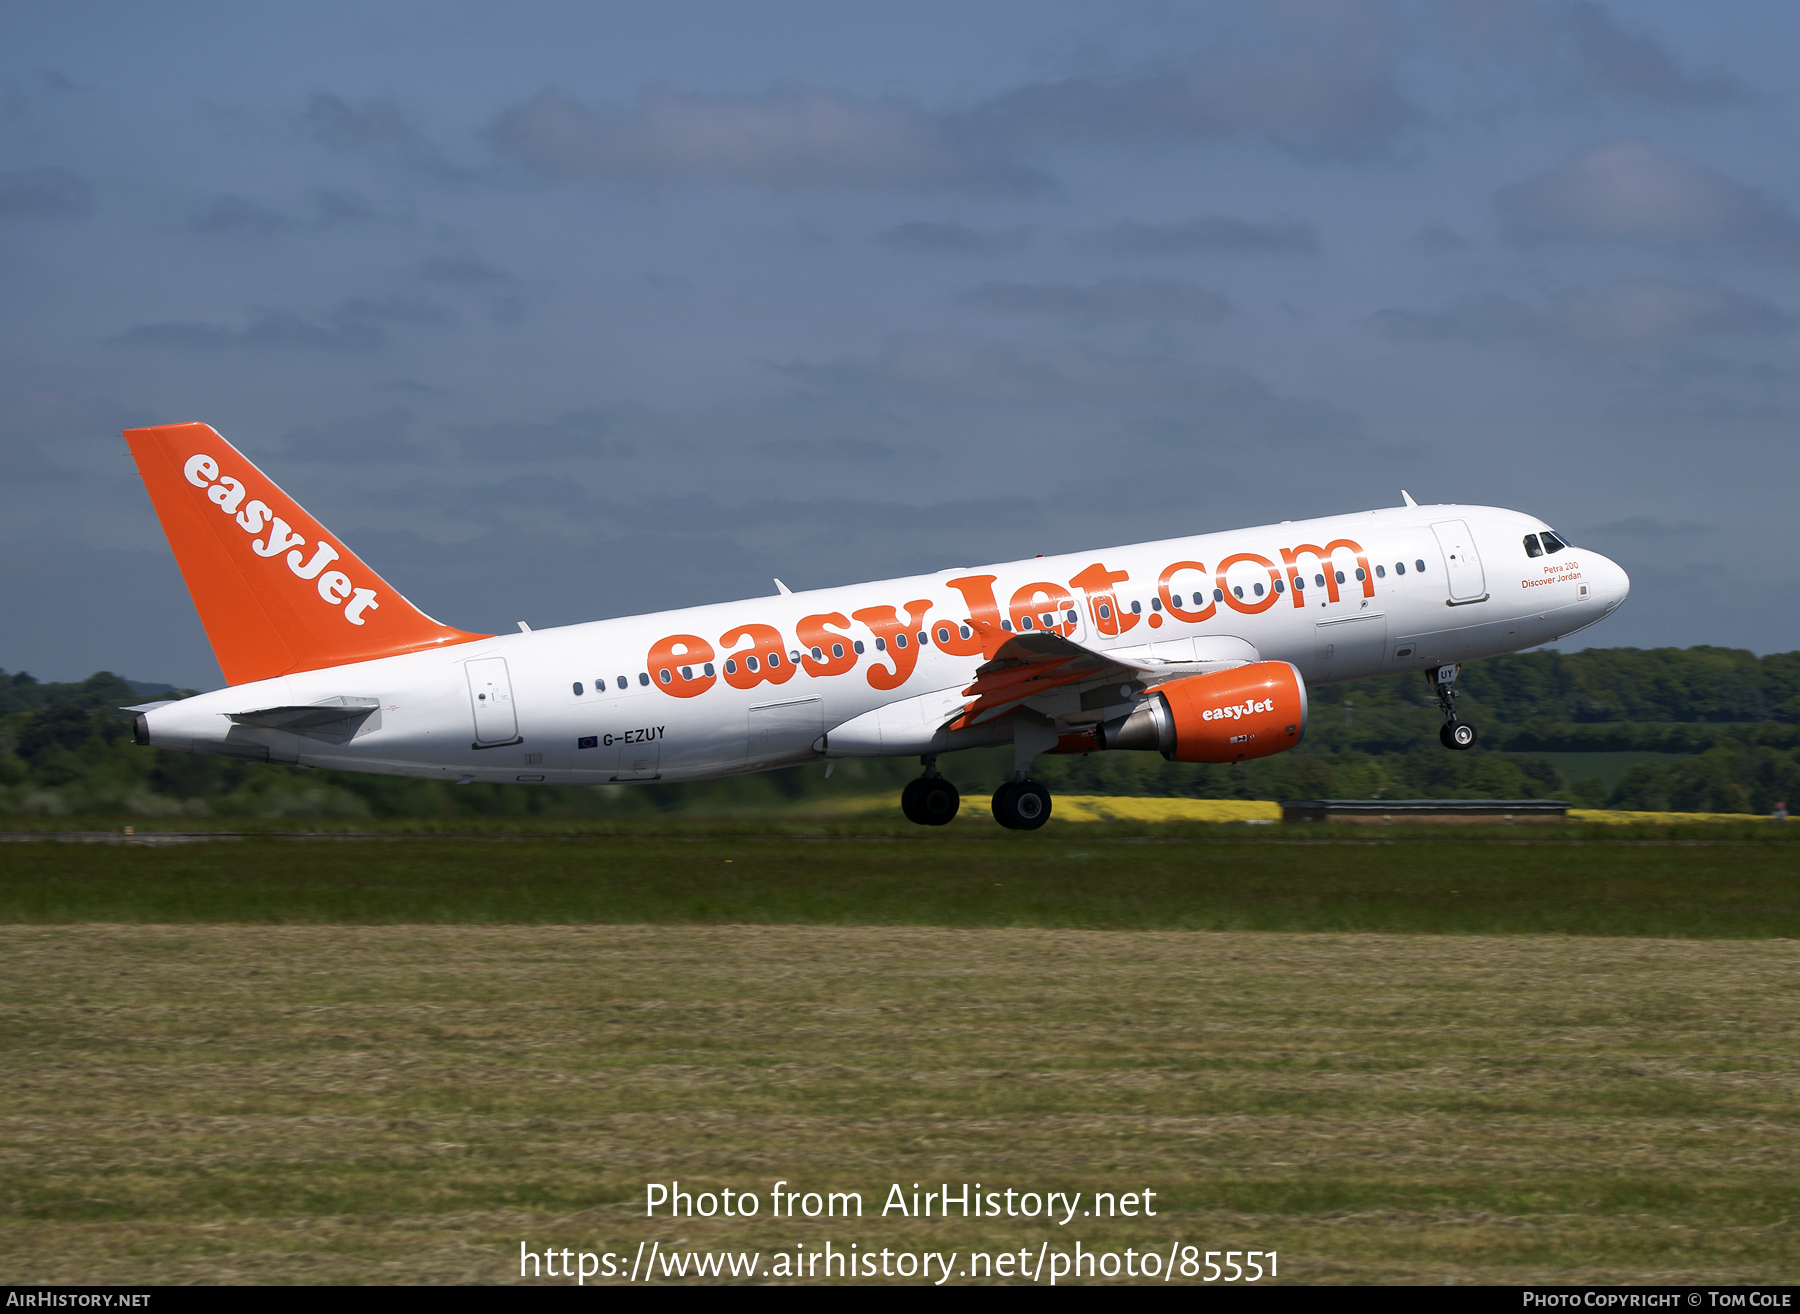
column 818, row 654
column 1319, row 580
column 687, row 672
column 664, row 676
column 1175, row 598
column 1069, row 615
column 731, row 666
column 1531, row 546
column 1105, row 613
column 1419, row 565
column 943, row 634
column 857, row 645
column 1025, row 622
column 708, row 668
column 1360, row 575
column 1155, row 604
column 578, row 688
column 1047, row 619
column 1399, row 567
column 1218, row 595
column 1280, row 587
column 1552, row 544
column 644, row 677
column 924, row 640
column 1340, row 575
column 774, row 660
column 1258, row 588
column 881, row 643
column 1238, row 591
column 1137, row 608
column 837, row 650
column 967, row 633
column 899, row 640
column 1381, row 572
column 624, row 683
column 750, row 664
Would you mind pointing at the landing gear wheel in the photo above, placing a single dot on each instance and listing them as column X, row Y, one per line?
column 930, row 801
column 937, row 802
column 1459, row 735
column 1021, row 805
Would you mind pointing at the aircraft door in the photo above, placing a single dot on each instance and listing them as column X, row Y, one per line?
column 490, row 695
column 1462, row 564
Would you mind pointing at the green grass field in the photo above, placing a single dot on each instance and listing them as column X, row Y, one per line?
column 1095, row 877
column 1405, row 1056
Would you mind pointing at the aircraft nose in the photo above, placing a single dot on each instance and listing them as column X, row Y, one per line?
column 1612, row 583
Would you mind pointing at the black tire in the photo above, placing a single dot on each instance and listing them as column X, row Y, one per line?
column 936, row 802
column 1021, row 805
column 910, row 802
column 1462, row 736
column 1444, row 735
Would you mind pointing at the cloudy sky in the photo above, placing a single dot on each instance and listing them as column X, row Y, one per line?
column 557, row 312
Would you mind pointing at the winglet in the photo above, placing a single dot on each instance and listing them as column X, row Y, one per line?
column 1408, row 497
column 275, row 590
column 784, row 590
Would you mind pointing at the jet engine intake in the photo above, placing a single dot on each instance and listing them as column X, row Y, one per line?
column 1222, row 716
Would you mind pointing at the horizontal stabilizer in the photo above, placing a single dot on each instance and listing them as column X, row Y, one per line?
column 331, row 711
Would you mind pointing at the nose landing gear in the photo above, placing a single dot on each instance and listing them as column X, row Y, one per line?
column 930, row 800
column 1021, row 805
column 1455, row 732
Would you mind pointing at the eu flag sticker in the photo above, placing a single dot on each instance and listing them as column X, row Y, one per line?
column 588, row 741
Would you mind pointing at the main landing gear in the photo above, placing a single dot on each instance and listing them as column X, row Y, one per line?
column 1021, row 805
column 1454, row 733
column 930, row 800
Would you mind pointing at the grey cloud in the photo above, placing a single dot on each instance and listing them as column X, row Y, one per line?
column 1578, row 45
column 1627, row 191
column 358, row 324
column 573, row 435
column 240, row 216
column 1649, row 527
column 44, row 194
column 1635, row 65
column 920, row 237
column 1217, row 235
column 235, row 214
column 379, row 437
column 1115, row 298
column 464, row 271
column 841, row 451
column 782, row 139
column 1436, row 239
column 1641, row 313
column 378, row 126
column 1317, row 89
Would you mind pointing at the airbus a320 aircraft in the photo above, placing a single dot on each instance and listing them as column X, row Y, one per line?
column 1199, row 648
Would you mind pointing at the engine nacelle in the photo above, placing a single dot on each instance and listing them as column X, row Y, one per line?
column 1223, row 716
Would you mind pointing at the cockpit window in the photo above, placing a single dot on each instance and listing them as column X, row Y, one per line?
column 1531, row 546
column 1552, row 544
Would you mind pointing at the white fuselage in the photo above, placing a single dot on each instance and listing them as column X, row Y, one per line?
column 548, row 705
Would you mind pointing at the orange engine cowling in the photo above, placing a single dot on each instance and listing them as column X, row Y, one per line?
column 1224, row 716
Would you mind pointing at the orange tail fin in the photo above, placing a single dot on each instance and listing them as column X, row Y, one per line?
column 275, row 590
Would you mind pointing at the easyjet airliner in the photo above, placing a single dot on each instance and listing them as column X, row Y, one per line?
column 1199, row 648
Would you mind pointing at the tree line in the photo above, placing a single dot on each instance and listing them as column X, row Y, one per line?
column 1726, row 721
